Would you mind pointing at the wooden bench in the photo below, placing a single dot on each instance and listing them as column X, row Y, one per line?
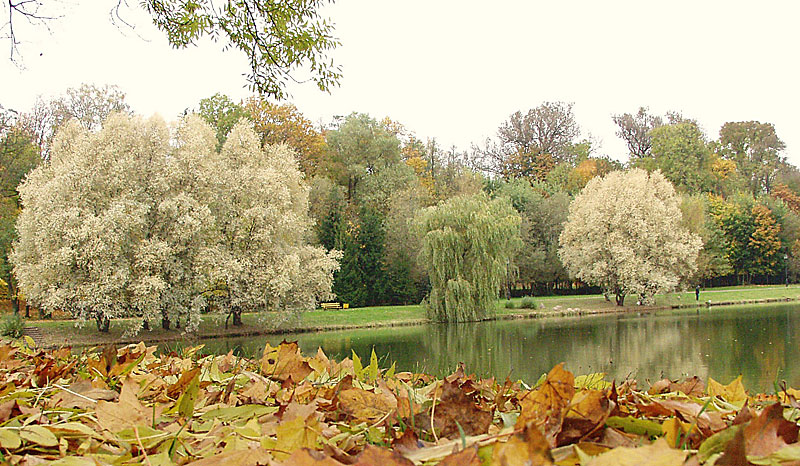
column 328, row 306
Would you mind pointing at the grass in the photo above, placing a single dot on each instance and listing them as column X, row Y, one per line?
column 58, row 332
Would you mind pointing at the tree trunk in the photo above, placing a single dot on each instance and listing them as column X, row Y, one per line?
column 165, row 322
column 106, row 324
column 620, row 298
column 145, row 324
column 27, row 310
column 13, row 296
column 237, row 316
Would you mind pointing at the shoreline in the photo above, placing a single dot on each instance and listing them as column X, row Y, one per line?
column 49, row 343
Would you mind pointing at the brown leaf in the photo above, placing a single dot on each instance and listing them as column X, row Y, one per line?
column 546, row 404
column 177, row 389
column 81, row 390
column 769, row 432
column 128, row 412
column 375, row 456
column 407, row 442
column 467, row 457
column 589, row 411
column 308, row 457
column 284, row 362
column 456, row 408
column 734, row 454
column 251, row 457
column 706, row 421
column 527, row 447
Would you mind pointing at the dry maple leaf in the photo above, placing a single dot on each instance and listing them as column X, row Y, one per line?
column 375, row 456
column 453, row 409
column 527, row 447
column 284, row 362
column 467, row 457
column 127, row 412
column 363, row 405
column 769, row 432
column 546, row 404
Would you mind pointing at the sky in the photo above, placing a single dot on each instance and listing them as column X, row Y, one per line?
column 455, row 70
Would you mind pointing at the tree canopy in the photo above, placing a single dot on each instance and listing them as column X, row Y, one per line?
column 468, row 243
column 283, row 40
column 133, row 220
column 624, row 234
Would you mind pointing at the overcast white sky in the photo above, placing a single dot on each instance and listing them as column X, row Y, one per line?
column 455, row 70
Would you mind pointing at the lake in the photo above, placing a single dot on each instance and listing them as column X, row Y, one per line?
column 757, row 341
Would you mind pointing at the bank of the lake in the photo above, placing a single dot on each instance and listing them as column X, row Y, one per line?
column 67, row 332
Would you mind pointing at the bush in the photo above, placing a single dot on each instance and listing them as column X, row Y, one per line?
column 509, row 304
column 12, row 326
column 527, row 303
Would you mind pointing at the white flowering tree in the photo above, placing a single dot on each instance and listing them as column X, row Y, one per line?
column 137, row 220
column 260, row 257
column 623, row 234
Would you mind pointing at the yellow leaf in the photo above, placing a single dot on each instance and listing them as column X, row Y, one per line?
column 365, row 406
column 293, row 435
column 733, row 392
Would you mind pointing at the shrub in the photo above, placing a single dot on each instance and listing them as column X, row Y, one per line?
column 12, row 326
column 509, row 304
column 527, row 303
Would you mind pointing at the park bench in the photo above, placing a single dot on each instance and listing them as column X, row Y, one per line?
column 328, row 306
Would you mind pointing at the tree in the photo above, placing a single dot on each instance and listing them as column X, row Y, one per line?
column 756, row 149
column 261, row 258
column 107, row 230
column 221, row 113
column 281, row 39
column 361, row 278
column 360, row 147
column 531, row 144
column 468, row 243
column 679, row 150
column 284, row 124
column 132, row 220
column 87, row 104
column 623, row 234
column 635, row 130
column 18, row 156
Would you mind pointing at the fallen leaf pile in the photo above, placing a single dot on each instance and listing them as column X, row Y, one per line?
column 131, row 406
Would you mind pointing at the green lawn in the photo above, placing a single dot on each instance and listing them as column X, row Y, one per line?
column 59, row 332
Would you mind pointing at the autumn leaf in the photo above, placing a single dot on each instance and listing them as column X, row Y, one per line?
column 127, row 412
column 769, row 432
column 466, row 457
column 250, row 457
column 454, row 409
column 308, row 457
column 545, row 405
column 284, row 361
column 363, row 405
column 656, row 454
column 372, row 456
column 295, row 434
column 734, row 392
column 588, row 412
column 527, row 447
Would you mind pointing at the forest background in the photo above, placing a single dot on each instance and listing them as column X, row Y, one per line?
column 369, row 177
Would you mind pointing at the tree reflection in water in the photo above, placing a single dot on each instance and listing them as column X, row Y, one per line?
column 756, row 341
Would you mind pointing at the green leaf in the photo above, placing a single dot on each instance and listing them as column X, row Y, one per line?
column 9, row 439
column 243, row 413
column 358, row 369
column 633, row 425
column 186, row 401
column 38, row 435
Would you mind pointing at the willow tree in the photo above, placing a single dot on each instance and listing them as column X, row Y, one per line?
column 467, row 246
column 624, row 234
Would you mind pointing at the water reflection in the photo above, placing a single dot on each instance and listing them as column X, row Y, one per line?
column 756, row 341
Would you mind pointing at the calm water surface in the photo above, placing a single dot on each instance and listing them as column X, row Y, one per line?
column 759, row 342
